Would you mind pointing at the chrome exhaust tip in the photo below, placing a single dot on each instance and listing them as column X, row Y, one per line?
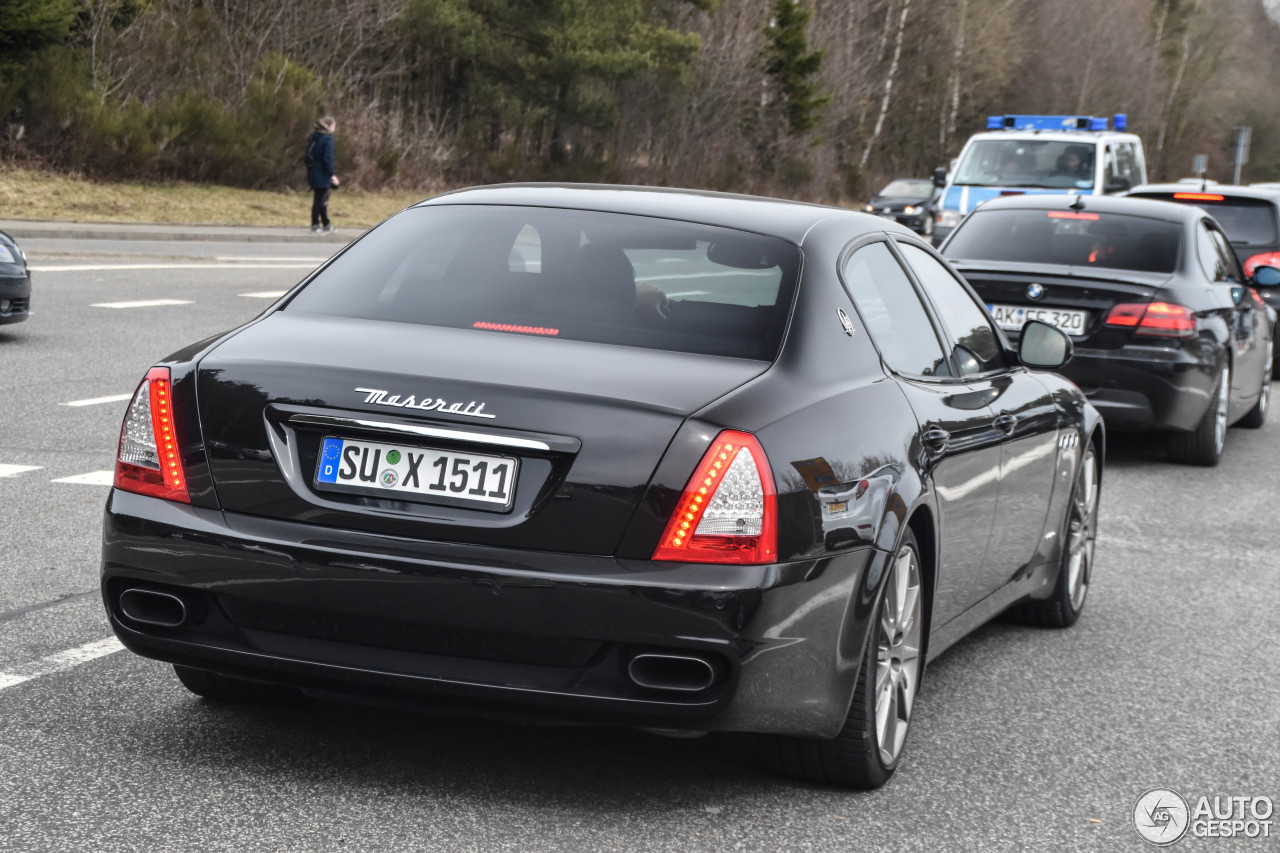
column 683, row 673
column 153, row 608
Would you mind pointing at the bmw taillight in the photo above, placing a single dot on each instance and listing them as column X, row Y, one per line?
column 1263, row 259
column 148, row 461
column 729, row 510
column 1155, row 319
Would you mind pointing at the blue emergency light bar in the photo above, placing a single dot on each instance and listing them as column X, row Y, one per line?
column 1029, row 122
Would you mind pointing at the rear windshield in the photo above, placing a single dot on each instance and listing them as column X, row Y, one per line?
column 567, row 274
column 908, row 189
column 1085, row 239
column 1247, row 222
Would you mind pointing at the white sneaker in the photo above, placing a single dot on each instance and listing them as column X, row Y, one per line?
column 315, row 229
column 328, row 229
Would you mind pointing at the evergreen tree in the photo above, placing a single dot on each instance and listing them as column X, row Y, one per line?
column 790, row 62
column 27, row 26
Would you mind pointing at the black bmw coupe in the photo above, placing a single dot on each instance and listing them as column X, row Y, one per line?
column 666, row 459
column 1169, row 333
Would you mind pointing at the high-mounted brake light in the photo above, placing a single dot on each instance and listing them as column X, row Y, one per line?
column 508, row 327
column 148, row 461
column 1157, row 319
column 1199, row 197
column 729, row 510
column 1068, row 214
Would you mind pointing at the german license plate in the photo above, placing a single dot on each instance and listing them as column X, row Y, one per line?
column 1013, row 317
column 435, row 476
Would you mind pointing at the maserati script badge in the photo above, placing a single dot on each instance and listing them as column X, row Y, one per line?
column 379, row 397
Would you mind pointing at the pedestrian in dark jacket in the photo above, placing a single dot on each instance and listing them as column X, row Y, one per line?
column 320, row 176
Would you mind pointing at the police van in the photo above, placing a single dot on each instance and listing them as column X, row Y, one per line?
column 1021, row 154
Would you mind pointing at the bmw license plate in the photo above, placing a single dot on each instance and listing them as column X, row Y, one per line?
column 434, row 476
column 1013, row 317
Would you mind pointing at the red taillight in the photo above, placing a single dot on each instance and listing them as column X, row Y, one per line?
column 148, row 461
column 1066, row 214
column 729, row 510
column 1265, row 259
column 1157, row 319
column 507, row 327
column 1199, row 197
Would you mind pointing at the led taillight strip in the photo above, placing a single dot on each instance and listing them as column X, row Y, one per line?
column 714, row 464
column 163, row 429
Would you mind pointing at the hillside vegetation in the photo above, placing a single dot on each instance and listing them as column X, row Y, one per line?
column 817, row 99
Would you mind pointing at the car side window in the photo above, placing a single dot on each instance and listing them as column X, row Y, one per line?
column 977, row 346
column 892, row 312
column 1210, row 257
column 1227, row 256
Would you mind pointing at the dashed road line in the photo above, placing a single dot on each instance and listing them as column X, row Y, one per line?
column 60, row 661
column 270, row 260
column 15, row 470
column 94, row 401
column 142, row 303
column 93, row 478
column 265, row 294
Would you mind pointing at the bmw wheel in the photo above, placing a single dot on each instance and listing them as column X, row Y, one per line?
column 869, row 746
column 1062, row 609
column 1203, row 445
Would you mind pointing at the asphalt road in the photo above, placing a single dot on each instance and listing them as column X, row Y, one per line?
column 1022, row 739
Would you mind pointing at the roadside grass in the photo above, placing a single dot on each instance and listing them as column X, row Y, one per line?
column 33, row 195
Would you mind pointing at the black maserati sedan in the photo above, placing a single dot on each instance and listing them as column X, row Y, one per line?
column 912, row 202
column 1169, row 333
column 666, row 459
column 15, row 282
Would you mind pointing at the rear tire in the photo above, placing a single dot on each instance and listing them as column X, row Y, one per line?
column 1062, row 609
column 1203, row 445
column 1258, row 414
column 224, row 688
column 869, row 747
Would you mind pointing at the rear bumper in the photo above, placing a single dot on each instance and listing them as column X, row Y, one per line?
column 492, row 630
column 15, row 298
column 1147, row 386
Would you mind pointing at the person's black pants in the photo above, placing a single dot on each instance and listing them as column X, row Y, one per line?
column 320, row 207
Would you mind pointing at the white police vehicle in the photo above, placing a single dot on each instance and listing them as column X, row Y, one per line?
column 1021, row 154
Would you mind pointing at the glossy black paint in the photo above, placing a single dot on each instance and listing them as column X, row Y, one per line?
column 15, row 284
column 1140, row 382
column 537, row 611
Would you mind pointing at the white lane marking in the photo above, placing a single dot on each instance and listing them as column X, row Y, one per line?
column 93, row 478
column 15, row 470
column 93, row 401
column 142, row 303
column 61, row 661
column 265, row 294
column 135, row 267
column 271, row 260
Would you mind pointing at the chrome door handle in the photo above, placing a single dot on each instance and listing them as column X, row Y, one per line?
column 1005, row 423
column 935, row 440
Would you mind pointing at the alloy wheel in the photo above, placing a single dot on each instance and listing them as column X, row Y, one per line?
column 898, row 655
column 1082, row 531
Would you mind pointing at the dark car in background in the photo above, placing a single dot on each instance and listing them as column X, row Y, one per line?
column 15, row 282
column 911, row 202
column 667, row 459
column 1169, row 334
column 1249, row 216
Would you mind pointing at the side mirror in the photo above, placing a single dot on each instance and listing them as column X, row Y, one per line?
column 1264, row 276
column 1118, row 184
column 1044, row 347
column 939, row 177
